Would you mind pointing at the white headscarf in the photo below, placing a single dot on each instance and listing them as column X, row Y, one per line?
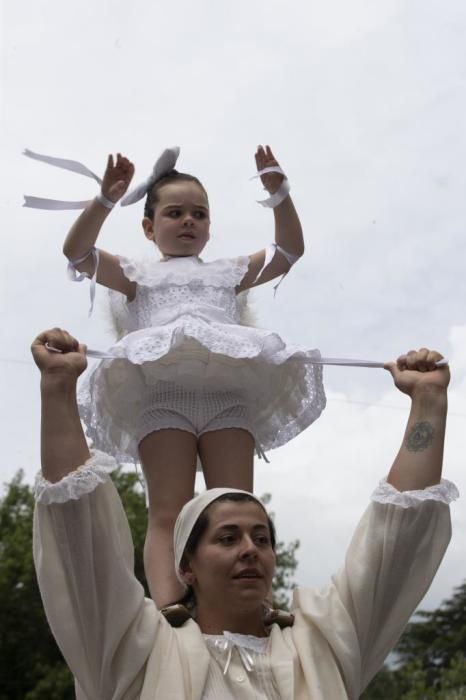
column 189, row 515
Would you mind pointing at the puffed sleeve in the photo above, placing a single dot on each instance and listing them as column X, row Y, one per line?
column 83, row 554
column 391, row 561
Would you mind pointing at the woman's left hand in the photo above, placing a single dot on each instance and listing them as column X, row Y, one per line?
column 266, row 159
column 418, row 370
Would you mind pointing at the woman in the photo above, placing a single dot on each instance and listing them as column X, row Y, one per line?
column 119, row 646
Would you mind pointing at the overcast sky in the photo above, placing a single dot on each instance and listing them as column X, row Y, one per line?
column 364, row 104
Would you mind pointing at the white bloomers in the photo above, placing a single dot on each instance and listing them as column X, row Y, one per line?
column 197, row 412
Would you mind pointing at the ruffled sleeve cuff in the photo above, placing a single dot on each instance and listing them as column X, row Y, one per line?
column 83, row 480
column 444, row 492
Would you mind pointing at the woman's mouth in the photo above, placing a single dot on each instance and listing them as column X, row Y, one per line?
column 248, row 573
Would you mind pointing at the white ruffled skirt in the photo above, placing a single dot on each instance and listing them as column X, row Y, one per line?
column 278, row 383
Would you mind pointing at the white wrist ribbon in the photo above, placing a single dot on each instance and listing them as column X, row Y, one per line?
column 107, row 203
column 75, row 276
column 269, row 254
column 65, row 164
column 164, row 165
column 283, row 191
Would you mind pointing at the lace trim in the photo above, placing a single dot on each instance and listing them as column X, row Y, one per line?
column 444, row 492
column 77, row 483
column 225, row 272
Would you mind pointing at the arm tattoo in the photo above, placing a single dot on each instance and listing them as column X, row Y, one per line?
column 420, row 438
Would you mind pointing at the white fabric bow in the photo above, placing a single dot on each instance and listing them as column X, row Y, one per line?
column 163, row 165
column 227, row 645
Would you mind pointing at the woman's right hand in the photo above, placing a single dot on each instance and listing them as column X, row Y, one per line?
column 117, row 177
column 69, row 363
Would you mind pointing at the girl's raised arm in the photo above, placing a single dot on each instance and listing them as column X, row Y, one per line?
column 288, row 230
column 83, row 234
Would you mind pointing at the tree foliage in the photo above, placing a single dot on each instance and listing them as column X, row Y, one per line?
column 28, row 653
column 431, row 657
column 31, row 666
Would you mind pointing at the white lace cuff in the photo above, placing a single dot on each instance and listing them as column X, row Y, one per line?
column 83, row 480
column 445, row 492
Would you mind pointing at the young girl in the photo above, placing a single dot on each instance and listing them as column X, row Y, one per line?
column 187, row 380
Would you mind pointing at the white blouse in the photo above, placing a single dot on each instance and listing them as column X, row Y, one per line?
column 119, row 647
column 241, row 668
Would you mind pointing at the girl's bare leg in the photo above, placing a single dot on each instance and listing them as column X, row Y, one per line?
column 168, row 459
column 227, row 458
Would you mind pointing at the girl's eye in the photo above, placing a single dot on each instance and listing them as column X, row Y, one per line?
column 174, row 213
column 200, row 214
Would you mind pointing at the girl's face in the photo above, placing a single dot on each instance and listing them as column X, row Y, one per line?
column 181, row 220
column 234, row 561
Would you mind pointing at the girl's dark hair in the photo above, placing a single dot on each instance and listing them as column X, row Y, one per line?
column 152, row 198
column 200, row 527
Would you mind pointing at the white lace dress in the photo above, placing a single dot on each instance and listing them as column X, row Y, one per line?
column 184, row 326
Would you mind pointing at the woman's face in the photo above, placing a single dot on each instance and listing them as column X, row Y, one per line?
column 234, row 561
column 181, row 220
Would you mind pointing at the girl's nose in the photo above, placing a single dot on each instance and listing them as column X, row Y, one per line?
column 188, row 220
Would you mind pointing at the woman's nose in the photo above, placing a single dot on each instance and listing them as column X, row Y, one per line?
column 249, row 548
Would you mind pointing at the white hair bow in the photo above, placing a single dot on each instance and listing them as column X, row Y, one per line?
column 163, row 165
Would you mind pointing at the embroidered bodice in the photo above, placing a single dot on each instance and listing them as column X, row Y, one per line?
column 180, row 287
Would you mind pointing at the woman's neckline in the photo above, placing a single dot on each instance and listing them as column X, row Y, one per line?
column 227, row 633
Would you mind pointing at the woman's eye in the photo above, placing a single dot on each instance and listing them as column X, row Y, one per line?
column 227, row 539
column 262, row 540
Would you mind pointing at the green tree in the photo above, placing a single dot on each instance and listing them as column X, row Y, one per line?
column 431, row 656
column 436, row 636
column 285, row 567
column 31, row 666
column 28, row 653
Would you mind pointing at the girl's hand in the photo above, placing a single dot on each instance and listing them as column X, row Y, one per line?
column 265, row 159
column 69, row 363
column 417, row 371
column 117, row 177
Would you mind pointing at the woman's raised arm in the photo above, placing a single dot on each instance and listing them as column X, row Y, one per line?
column 83, row 551
column 418, row 463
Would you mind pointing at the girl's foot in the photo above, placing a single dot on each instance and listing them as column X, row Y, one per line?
column 281, row 617
column 176, row 614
